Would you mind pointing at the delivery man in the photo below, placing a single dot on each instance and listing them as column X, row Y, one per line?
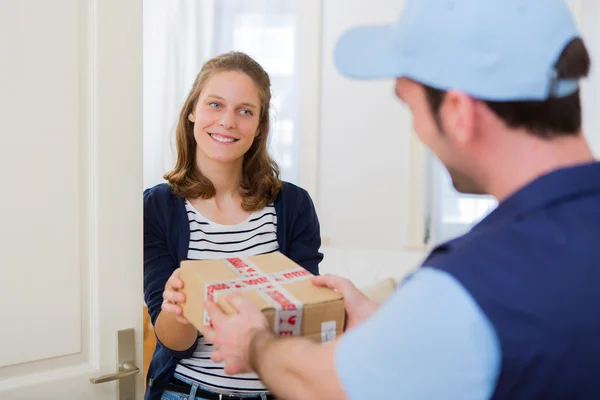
column 511, row 309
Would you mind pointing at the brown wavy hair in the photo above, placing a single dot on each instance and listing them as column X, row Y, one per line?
column 261, row 181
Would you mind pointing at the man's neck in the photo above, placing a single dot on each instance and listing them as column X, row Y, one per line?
column 530, row 158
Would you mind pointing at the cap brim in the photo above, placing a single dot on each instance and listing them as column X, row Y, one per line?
column 367, row 53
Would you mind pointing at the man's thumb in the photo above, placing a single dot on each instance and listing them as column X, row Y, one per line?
column 238, row 302
column 330, row 281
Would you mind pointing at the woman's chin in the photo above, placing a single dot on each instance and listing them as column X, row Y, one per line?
column 225, row 158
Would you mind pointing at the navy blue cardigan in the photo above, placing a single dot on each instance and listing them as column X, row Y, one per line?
column 166, row 242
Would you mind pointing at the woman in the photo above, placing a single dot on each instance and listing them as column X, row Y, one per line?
column 223, row 199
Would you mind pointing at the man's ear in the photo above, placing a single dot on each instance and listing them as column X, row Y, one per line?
column 459, row 116
column 192, row 117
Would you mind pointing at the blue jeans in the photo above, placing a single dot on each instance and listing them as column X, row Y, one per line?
column 168, row 395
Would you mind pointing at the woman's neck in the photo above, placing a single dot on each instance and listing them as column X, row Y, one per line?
column 225, row 177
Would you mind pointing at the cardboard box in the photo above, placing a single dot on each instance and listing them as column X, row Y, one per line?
column 280, row 288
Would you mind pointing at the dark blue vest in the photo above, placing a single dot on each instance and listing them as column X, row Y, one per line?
column 533, row 266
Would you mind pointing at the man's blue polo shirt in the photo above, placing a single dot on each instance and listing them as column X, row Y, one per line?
column 510, row 310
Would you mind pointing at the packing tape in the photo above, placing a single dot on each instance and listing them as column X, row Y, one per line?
column 288, row 309
column 328, row 331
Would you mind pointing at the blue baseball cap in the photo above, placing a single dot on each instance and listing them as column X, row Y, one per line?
column 498, row 50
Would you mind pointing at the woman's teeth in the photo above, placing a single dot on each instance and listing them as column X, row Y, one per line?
column 222, row 139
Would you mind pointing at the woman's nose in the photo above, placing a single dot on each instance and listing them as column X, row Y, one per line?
column 228, row 120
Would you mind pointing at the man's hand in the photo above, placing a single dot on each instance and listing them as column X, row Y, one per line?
column 358, row 306
column 233, row 334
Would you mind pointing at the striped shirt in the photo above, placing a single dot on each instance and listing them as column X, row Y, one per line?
column 209, row 240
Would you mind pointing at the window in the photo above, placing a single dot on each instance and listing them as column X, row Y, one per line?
column 180, row 35
column 266, row 31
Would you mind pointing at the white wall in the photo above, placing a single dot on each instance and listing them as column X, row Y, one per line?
column 364, row 161
column 590, row 28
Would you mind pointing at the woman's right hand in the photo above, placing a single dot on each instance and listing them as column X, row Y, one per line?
column 172, row 297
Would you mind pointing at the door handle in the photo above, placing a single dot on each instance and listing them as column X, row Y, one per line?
column 126, row 369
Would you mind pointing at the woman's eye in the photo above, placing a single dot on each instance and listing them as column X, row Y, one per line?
column 214, row 105
column 246, row 112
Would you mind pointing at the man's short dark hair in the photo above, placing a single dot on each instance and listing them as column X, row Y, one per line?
column 546, row 119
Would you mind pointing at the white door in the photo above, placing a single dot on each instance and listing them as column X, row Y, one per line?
column 70, row 197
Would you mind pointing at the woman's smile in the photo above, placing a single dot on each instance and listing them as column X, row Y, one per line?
column 222, row 138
